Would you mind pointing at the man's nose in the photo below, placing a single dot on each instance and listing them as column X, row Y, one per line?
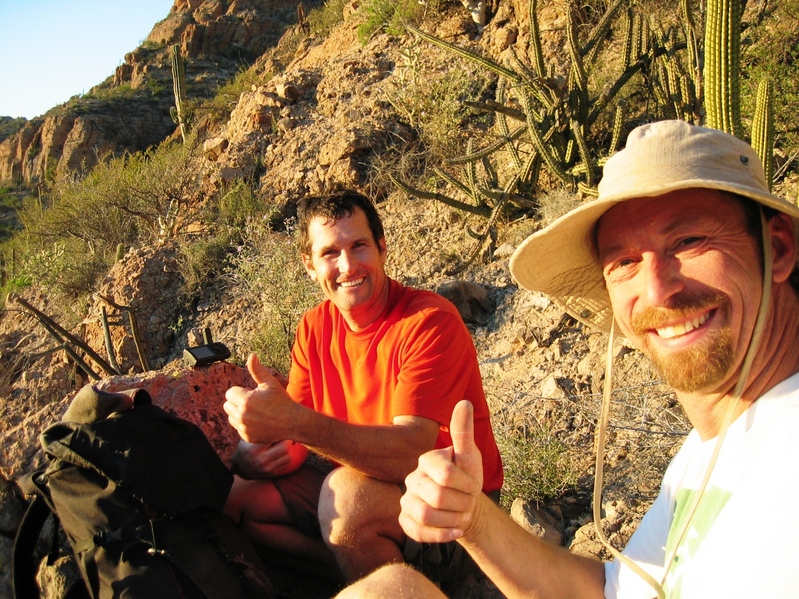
column 661, row 279
column 345, row 262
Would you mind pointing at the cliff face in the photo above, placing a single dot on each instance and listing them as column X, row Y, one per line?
column 130, row 110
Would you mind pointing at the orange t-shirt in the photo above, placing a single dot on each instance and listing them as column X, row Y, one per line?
column 418, row 359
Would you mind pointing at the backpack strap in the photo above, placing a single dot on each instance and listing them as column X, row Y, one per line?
column 24, row 565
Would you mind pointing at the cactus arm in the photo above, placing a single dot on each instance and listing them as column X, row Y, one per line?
column 763, row 127
column 592, row 45
column 618, row 121
column 494, row 106
column 536, row 52
column 693, row 47
column 427, row 195
column 502, row 124
column 179, row 114
column 543, row 149
column 722, row 62
column 490, row 149
column 487, row 63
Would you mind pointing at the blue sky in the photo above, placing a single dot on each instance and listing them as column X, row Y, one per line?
column 51, row 50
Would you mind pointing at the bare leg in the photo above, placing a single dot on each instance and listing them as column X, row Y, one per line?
column 397, row 581
column 258, row 507
column 359, row 520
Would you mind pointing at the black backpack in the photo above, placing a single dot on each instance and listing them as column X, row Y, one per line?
column 139, row 493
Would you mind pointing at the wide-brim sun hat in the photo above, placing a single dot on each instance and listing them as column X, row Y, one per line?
column 560, row 260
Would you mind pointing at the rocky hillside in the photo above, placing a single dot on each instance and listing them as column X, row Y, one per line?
column 130, row 110
column 332, row 116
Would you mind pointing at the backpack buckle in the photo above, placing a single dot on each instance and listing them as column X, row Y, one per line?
column 154, row 550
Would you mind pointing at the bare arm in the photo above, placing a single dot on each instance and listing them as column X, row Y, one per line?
column 267, row 414
column 443, row 502
column 256, row 461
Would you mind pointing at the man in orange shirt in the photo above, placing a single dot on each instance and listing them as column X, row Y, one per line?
column 377, row 369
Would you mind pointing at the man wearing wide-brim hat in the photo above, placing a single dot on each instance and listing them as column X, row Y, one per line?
column 687, row 254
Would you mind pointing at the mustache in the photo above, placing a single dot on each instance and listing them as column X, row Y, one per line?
column 681, row 307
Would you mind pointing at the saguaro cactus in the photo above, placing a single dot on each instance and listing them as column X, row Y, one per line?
column 179, row 112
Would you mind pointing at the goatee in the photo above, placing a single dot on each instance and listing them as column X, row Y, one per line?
column 704, row 364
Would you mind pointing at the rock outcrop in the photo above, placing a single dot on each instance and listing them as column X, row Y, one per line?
column 130, row 110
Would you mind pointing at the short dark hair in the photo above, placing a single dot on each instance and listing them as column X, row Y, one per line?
column 333, row 207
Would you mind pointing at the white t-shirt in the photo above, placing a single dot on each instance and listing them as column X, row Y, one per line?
column 744, row 539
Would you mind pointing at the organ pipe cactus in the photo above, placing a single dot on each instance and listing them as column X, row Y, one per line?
column 722, row 63
column 763, row 127
column 544, row 122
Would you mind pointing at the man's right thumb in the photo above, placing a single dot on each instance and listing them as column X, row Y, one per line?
column 461, row 429
column 259, row 373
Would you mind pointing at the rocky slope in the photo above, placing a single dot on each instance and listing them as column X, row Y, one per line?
column 130, row 110
column 326, row 121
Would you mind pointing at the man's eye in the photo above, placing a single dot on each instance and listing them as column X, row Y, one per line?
column 689, row 241
column 623, row 264
column 619, row 267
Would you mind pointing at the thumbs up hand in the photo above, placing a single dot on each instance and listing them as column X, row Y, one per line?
column 441, row 500
column 265, row 414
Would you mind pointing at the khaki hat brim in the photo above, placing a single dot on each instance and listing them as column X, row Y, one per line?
column 560, row 260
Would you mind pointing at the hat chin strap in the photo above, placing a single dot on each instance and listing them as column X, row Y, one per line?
column 728, row 417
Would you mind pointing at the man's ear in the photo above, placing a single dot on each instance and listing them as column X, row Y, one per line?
column 381, row 245
column 308, row 264
column 783, row 246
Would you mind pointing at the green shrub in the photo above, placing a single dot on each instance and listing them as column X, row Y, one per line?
column 538, row 466
column 268, row 267
column 224, row 101
column 434, row 103
column 392, row 16
column 237, row 205
column 9, row 126
column 201, row 261
column 322, row 20
column 62, row 267
column 136, row 197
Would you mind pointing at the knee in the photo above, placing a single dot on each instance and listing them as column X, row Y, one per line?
column 394, row 580
column 341, row 492
column 253, row 500
column 234, row 505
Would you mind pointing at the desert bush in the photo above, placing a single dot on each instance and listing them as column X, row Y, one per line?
column 268, row 267
column 538, row 466
column 238, row 204
column 11, row 202
column 323, row 19
column 201, row 261
column 9, row 126
column 140, row 197
column 434, row 104
column 392, row 16
column 62, row 267
column 224, row 101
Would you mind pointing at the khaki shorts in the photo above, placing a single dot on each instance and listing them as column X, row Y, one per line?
column 440, row 562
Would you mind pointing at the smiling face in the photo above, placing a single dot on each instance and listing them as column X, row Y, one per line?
column 349, row 266
column 684, row 279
